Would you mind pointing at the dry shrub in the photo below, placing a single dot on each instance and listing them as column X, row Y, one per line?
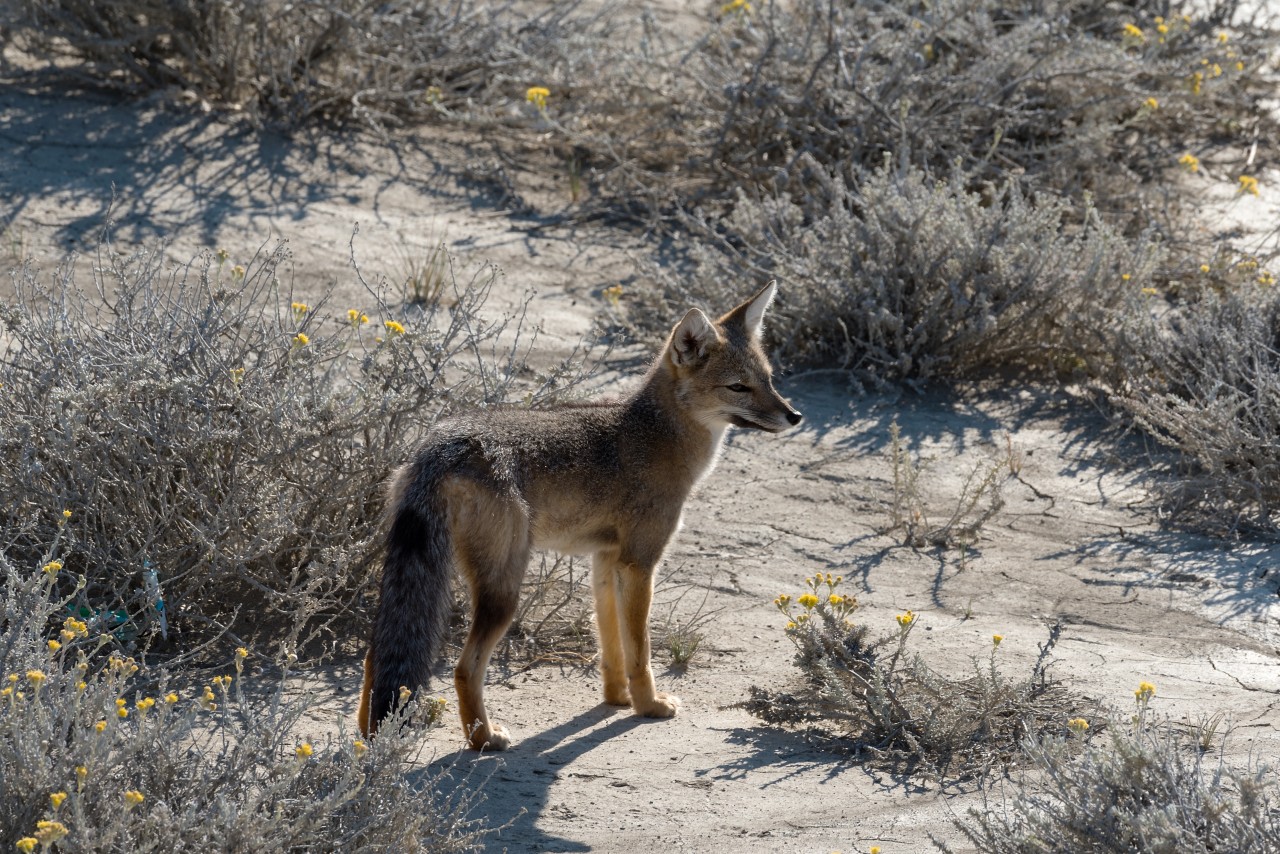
column 198, row 424
column 878, row 701
column 901, row 276
column 1142, row 786
column 1204, row 378
column 109, row 756
column 373, row 63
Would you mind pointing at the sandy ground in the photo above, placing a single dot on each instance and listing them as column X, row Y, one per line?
column 1076, row 541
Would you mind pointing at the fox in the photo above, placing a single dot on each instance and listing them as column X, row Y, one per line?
column 609, row 479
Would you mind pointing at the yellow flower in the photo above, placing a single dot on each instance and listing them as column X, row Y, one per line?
column 67, row 635
column 237, row 272
column 1162, row 28
column 906, row 619
column 356, row 317
column 1190, row 161
column 995, row 639
column 35, row 677
column 736, row 6
column 1124, row 277
column 304, row 751
column 1216, row 70
column 132, row 798
column 1078, row 725
column 81, row 685
column 1196, row 80
column 54, row 646
column 1223, row 38
column 222, row 255
column 1239, row 66
column 537, row 95
column 237, row 375
column 145, row 705
column 49, row 832
column 122, row 713
column 835, row 599
column 301, row 340
column 1145, row 691
column 300, row 307
column 808, row 601
column 99, row 727
column 405, row 693
column 1204, row 268
column 27, row 844
column 392, row 326
column 52, row 567
column 1151, row 104
column 361, row 748
column 66, row 514
column 82, row 771
column 791, row 625
column 1248, row 184
column 1150, row 292
column 1133, row 32
column 56, row 799
column 875, row 849
column 1266, row 278
column 207, row 700
column 171, row 698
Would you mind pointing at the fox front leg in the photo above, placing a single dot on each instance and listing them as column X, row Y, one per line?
column 635, row 594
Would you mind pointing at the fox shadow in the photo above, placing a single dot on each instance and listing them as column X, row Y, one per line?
column 515, row 792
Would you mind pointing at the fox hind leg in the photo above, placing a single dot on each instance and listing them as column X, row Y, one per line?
column 604, row 583
column 493, row 548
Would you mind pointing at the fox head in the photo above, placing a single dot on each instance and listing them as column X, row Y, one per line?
column 721, row 372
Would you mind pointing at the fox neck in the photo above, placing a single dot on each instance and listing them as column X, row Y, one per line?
column 695, row 439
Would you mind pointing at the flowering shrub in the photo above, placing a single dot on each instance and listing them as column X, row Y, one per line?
column 1145, row 785
column 216, row 445
column 110, row 756
column 876, row 700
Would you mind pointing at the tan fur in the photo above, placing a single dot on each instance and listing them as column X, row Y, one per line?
column 608, row 480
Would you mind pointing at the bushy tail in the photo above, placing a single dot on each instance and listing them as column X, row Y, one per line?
column 413, row 612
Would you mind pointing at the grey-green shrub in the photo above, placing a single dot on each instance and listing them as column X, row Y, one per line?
column 308, row 61
column 200, row 424
column 117, row 758
column 1139, row 786
column 880, row 701
column 899, row 275
column 1204, row 378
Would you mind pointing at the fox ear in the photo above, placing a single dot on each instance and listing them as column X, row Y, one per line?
column 692, row 338
column 754, row 309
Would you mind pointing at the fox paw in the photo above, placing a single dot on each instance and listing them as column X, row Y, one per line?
column 661, row 706
column 617, row 696
column 497, row 738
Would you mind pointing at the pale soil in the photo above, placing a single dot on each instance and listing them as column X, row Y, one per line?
column 1076, row 541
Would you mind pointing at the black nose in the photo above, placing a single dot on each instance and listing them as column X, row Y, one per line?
column 794, row 417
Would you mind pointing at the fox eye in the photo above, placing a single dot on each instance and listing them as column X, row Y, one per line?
column 738, row 387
